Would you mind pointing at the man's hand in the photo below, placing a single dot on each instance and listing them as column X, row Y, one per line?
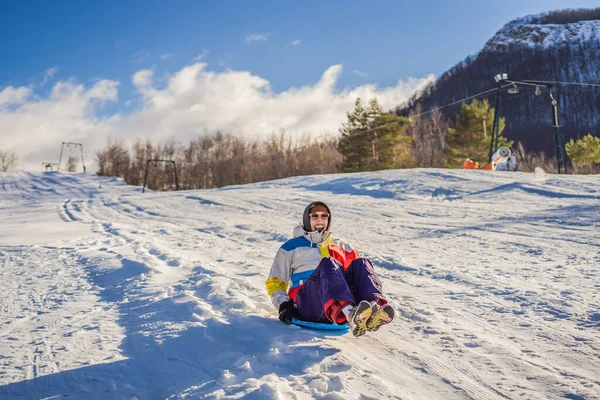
column 287, row 311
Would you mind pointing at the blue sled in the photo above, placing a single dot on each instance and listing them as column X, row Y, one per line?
column 332, row 328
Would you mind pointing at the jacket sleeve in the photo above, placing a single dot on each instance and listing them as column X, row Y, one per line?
column 351, row 253
column 343, row 252
column 279, row 278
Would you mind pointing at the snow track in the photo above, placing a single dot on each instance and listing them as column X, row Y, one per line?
column 109, row 293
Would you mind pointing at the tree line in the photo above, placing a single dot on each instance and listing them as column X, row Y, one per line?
column 218, row 160
column 370, row 139
column 568, row 16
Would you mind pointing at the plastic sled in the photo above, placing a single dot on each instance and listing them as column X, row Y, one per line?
column 330, row 328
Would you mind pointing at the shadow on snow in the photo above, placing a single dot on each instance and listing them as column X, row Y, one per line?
column 171, row 348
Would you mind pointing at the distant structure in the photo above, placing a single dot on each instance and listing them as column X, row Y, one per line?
column 49, row 166
column 501, row 160
column 69, row 144
column 502, row 79
column 169, row 165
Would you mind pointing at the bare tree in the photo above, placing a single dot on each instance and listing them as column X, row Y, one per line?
column 8, row 160
column 528, row 161
column 436, row 130
column 429, row 138
column 71, row 164
column 220, row 159
column 114, row 160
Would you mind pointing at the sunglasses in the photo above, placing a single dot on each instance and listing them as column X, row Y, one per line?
column 316, row 216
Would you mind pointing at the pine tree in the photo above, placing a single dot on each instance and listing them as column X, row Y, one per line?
column 468, row 139
column 373, row 139
column 353, row 144
column 584, row 151
column 391, row 145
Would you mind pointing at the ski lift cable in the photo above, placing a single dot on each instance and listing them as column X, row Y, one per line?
column 511, row 98
column 468, row 98
column 572, row 83
column 502, row 87
column 461, row 100
column 433, row 109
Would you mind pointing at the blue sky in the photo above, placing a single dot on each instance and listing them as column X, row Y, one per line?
column 92, row 70
column 382, row 40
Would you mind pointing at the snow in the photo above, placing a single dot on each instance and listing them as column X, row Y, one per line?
column 106, row 292
column 525, row 34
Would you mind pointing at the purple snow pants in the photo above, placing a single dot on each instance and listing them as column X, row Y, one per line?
column 330, row 283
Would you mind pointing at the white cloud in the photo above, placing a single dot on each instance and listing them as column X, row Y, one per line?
column 36, row 127
column 11, row 96
column 50, row 72
column 193, row 101
column 166, row 56
column 296, row 42
column 360, row 73
column 255, row 37
column 142, row 78
column 201, row 56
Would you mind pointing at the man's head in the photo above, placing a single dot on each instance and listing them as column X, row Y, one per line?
column 317, row 217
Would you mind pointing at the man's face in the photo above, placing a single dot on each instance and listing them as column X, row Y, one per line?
column 319, row 218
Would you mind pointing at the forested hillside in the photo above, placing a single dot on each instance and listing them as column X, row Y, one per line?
column 562, row 46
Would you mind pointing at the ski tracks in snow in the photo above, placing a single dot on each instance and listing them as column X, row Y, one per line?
column 466, row 285
column 166, row 298
column 50, row 322
column 182, row 319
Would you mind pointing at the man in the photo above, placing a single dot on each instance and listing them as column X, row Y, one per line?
column 329, row 281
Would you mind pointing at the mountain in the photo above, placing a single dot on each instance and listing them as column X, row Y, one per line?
column 559, row 46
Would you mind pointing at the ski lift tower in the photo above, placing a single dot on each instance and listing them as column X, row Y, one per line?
column 69, row 144
column 168, row 163
column 502, row 79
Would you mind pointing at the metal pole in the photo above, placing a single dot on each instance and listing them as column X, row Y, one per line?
column 497, row 136
column 495, row 127
column 321, row 156
column 82, row 160
column 560, row 160
column 176, row 179
column 60, row 157
column 145, row 176
column 559, row 149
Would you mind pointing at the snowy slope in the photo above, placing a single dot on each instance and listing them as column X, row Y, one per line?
column 108, row 293
column 526, row 33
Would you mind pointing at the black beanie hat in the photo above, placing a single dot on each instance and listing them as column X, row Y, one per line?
column 306, row 216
